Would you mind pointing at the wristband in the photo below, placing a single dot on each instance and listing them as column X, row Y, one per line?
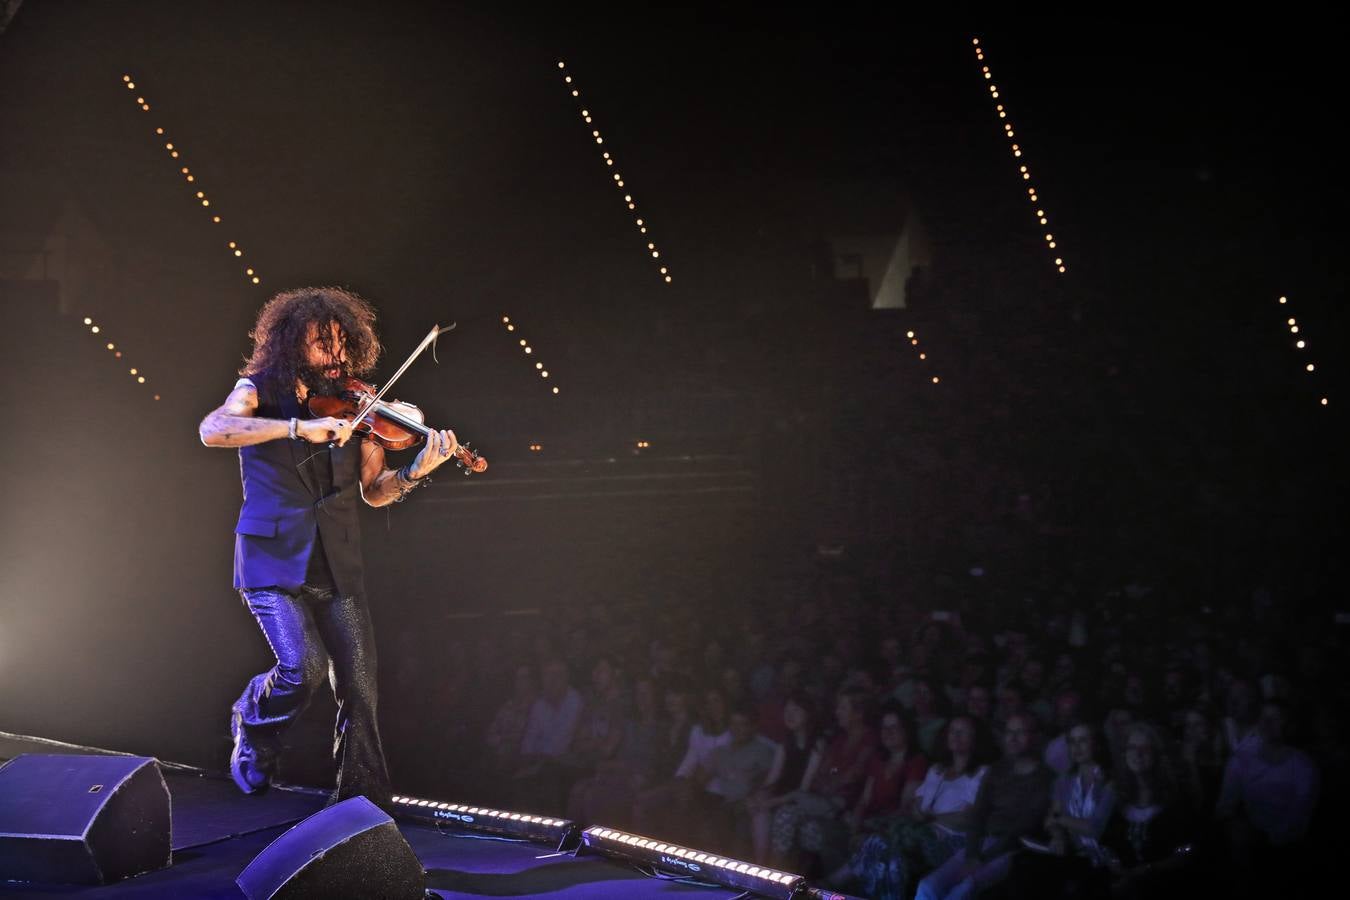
column 294, row 422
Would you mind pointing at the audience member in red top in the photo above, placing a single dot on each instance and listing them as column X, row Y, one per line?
column 833, row 782
column 893, row 774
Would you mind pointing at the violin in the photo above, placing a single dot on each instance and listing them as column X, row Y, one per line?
column 392, row 424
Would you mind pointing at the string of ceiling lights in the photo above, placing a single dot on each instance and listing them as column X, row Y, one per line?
column 529, row 351
column 95, row 328
column 923, row 354
column 1033, row 195
column 1301, row 344
column 233, row 246
column 639, row 222
column 199, row 195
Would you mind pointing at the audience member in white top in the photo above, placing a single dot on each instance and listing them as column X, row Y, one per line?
column 553, row 718
column 706, row 736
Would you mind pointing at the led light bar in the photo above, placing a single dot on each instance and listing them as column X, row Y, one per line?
column 492, row 821
column 693, row 863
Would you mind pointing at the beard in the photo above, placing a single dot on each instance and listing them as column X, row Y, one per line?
column 316, row 381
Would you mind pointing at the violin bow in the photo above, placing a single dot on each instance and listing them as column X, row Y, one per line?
column 434, row 333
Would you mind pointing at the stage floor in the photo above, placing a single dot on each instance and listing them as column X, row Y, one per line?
column 217, row 831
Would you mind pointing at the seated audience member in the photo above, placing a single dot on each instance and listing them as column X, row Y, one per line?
column 507, row 729
column 1081, row 804
column 748, row 763
column 914, row 669
column 1240, row 733
column 665, row 807
column 1134, row 695
column 833, row 781
column 893, row 774
column 1116, row 725
column 733, row 687
column 1147, row 845
column 1062, row 675
column 1201, row 759
column 786, row 684
column 799, row 745
column 980, row 704
column 542, row 778
column 1012, row 802
column 1056, row 753
column 600, row 727
column 1268, row 793
column 974, row 670
column 931, row 825
column 708, row 733
column 1082, row 799
column 675, row 728
column 929, row 716
column 1009, row 702
column 1176, row 698
column 1031, row 679
column 607, row 796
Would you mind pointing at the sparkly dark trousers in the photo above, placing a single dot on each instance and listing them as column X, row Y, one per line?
column 314, row 633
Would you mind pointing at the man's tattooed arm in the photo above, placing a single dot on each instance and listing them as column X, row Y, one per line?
column 234, row 424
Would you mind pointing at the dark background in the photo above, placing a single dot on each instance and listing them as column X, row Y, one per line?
column 1146, row 411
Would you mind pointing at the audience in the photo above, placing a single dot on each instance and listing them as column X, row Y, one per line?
column 1165, row 794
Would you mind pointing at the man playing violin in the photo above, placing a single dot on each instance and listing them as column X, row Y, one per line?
column 297, row 552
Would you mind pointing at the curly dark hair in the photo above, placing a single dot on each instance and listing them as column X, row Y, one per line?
column 279, row 336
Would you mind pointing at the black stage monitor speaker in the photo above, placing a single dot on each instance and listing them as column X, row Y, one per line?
column 82, row 819
column 350, row 849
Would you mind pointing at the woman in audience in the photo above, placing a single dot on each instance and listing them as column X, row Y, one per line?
column 600, row 728
column 1083, row 798
column 980, row 703
column 932, row 823
column 832, row 784
column 607, row 796
column 929, row 720
column 1202, row 760
column 798, row 746
column 1081, row 805
column 1012, row 802
column 1239, row 725
column 508, row 724
column 1147, row 845
column 892, row 777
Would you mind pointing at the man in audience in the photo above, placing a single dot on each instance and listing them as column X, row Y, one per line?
column 733, row 771
column 1269, row 792
column 1011, row 804
column 541, row 778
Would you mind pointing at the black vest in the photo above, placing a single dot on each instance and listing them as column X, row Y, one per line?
column 286, row 502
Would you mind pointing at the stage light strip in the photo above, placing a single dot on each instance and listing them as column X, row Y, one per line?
column 693, row 863
column 1300, row 344
column 529, row 351
column 95, row 328
column 608, row 159
column 485, row 819
column 923, row 354
column 1042, row 219
column 175, row 153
